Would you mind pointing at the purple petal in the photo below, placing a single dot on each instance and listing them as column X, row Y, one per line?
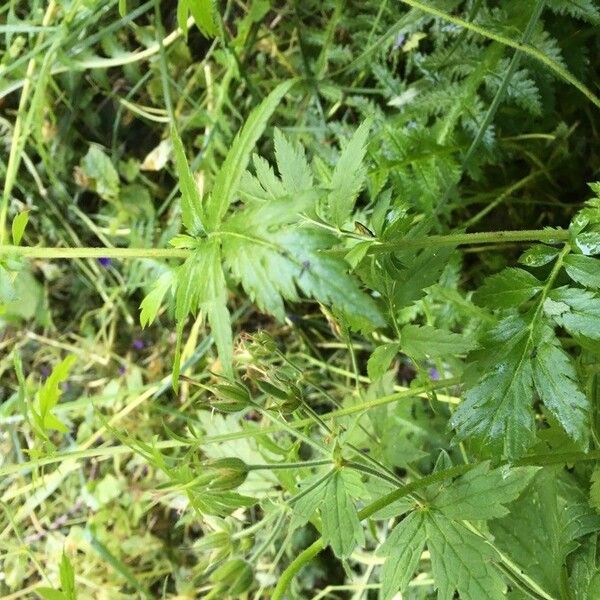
column 105, row 261
column 434, row 374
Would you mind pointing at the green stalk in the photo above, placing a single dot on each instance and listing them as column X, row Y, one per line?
column 290, row 465
column 54, row 253
column 550, row 236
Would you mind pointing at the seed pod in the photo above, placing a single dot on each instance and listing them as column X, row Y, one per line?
column 231, row 397
column 273, row 390
column 235, row 576
column 230, row 473
column 262, row 345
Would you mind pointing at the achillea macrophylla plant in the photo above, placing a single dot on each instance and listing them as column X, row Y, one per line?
column 367, row 353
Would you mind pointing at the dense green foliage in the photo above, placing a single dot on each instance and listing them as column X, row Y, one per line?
column 300, row 299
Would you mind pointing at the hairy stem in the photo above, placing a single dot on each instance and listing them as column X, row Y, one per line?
column 454, row 239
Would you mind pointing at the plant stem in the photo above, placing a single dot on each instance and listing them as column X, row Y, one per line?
column 290, row 465
column 290, row 572
column 484, row 237
column 53, row 253
column 550, row 236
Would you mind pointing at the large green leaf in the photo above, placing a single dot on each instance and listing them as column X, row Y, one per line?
column 583, row 269
column 200, row 285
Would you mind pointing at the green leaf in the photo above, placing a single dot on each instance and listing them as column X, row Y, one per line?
column 292, row 165
column 403, row 548
column 584, row 580
column 200, row 285
column 461, row 561
column 483, row 493
column 357, row 253
column 306, row 505
column 420, row 342
column 348, row 177
column 578, row 311
column 556, row 383
column 580, row 9
column 406, row 285
column 380, row 359
column 498, row 409
column 236, row 576
column 543, row 528
column 205, row 15
column 50, row 594
column 538, row 256
column 588, row 242
column 151, row 303
column 583, row 269
column 67, row 578
column 18, row 226
column 182, row 16
column 191, row 202
column 101, row 174
column 228, row 178
column 49, row 393
column 341, row 527
column 8, row 292
column 511, row 287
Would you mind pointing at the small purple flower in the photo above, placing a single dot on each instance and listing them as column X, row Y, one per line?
column 121, row 370
column 44, row 372
column 138, row 344
column 105, row 261
column 434, row 374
